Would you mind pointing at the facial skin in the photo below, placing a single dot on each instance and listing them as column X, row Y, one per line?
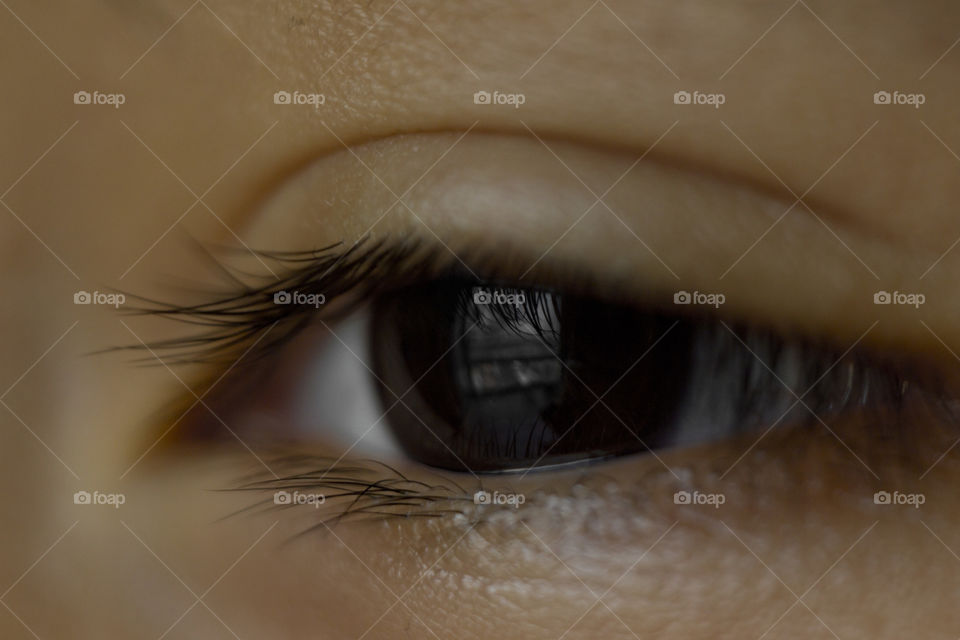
column 101, row 197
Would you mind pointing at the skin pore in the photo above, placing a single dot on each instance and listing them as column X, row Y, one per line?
column 799, row 548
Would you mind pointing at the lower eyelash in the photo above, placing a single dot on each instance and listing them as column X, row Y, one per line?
column 368, row 491
column 354, row 490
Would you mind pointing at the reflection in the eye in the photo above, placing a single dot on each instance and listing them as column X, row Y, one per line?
column 509, row 362
column 505, row 374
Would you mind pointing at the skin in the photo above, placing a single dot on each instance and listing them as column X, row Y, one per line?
column 878, row 183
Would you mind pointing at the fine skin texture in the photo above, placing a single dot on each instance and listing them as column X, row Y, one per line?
column 98, row 197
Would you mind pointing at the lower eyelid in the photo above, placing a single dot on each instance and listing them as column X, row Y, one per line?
column 802, row 464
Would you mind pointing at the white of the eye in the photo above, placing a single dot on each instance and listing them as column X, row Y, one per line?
column 336, row 400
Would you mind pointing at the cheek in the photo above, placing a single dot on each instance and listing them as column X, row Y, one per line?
column 797, row 519
column 611, row 549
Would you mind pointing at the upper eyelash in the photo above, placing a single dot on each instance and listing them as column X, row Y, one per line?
column 235, row 320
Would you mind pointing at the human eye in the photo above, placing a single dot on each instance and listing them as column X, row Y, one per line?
column 399, row 351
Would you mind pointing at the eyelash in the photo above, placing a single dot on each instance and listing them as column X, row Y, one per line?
column 236, row 320
column 358, row 490
column 248, row 321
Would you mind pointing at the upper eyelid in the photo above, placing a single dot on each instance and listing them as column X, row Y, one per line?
column 671, row 225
